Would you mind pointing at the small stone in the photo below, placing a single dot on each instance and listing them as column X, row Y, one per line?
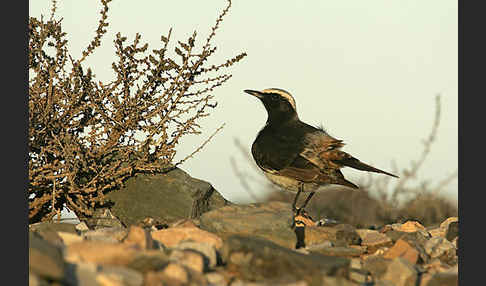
column 81, row 273
column 402, row 249
column 191, row 259
column 81, row 227
column 376, row 265
column 258, row 259
column 418, row 240
column 440, row 247
column 139, row 236
column 45, row 259
column 339, row 235
column 149, row 260
column 115, row 275
column 336, row 281
column 102, row 218
column 216, row 279
column 172, row 236
column 339, row 251
column 35, row 280
column 69, row 238
column 360, row 276
column 109, row 234
column 436, row 232
column 411, row 226
column 443, row 279
column 207, row 250
column 175, row 273
column 435, row 266
column 401, row 273
column 101, row 252
column 374, row 239
column 452, row 231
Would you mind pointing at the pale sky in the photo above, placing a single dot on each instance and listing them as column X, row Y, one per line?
column 368, row 71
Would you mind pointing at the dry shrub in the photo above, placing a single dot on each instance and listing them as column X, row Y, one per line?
column 377, row 202
column 86, row 137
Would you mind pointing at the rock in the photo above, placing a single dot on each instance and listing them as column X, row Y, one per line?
column 440, row 247
column 139, row 236
column 82, row 226
column 116, row 275
column 373, row 239
column 172, row 236
column 436, row 232
column 339, row 251
column 337, row 281
column 443, row 279
column 418, row 240
column 69, row 238
column 108, row 234
column 360, row 276
column 175, row 274
column 400, row 272
column 270, row 220
column 189, row 258
column 81, row 274
column 339, row 235
column 164, row 197
column 395, row 235
column 149, row 260
column 445, row 224
column 376, row 265
column 185, row 223
column 402, row 249
column 411, row 226
column 216, row 279
column 239, row 282
column 152, row 224
column 35, row 280
column 452, row 231
column 101, row 252
column 257, row 259
column 102, row 218
column 53, row 226
column 45, row 259
column 50, row 236
column 436, row 265
column 207, row 250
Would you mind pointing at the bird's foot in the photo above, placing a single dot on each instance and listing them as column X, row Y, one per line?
column 301, row 218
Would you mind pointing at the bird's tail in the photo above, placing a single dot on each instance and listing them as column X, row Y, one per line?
column 357, row 164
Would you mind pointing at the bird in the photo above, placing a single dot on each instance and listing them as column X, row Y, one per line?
column 296, row 156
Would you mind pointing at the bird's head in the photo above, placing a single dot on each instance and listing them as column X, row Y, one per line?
column 280, row 104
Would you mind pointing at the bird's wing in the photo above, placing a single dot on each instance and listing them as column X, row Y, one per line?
column 324, row 151
column 296, row 157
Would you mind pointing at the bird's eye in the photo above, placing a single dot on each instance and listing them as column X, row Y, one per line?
column 274, row 97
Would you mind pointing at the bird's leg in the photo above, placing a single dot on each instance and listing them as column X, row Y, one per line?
column 307, row 200
column 295, row 210
column 301, row 188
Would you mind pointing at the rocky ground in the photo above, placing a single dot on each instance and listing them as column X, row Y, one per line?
column 240, row 245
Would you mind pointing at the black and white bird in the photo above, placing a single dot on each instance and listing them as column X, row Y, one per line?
column 296, row 156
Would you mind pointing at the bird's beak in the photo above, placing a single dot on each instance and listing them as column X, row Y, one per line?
column 254, row 93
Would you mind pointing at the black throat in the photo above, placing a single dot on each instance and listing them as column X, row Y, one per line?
column 278, row 117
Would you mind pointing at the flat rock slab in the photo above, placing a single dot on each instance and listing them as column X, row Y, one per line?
column 164, row 197
column 269, row 220
column 257, row 259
